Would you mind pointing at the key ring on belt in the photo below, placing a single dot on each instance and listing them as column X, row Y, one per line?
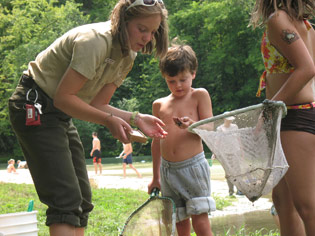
column 28, row 93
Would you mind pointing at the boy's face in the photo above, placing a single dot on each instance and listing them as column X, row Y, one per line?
column 180, row 84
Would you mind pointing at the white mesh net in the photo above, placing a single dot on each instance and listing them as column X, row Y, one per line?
column 247, row 144
column 156, row 217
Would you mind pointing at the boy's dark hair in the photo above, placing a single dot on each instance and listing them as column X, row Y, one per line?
column 179, row 58
column 94, row 133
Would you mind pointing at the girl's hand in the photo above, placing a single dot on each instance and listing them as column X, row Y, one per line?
column 150, row 126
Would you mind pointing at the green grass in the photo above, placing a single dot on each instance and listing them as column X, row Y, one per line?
column 112, row 208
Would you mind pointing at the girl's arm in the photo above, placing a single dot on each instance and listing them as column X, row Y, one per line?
column 285, row 37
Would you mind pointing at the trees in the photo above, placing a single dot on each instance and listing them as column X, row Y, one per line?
column 26, row 28
column 227, row 50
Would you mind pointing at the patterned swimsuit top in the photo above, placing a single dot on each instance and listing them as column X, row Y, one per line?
column 273, row 60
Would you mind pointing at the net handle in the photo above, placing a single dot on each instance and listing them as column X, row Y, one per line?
column 155, row 192
column 266, row 102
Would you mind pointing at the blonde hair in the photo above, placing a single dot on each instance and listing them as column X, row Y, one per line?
column 179, row 58
column 120, row 18
column 296, row 9
column 11, row 160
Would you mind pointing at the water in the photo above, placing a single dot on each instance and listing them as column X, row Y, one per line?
column 251, row 221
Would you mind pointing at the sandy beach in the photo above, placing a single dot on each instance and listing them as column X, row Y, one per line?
column 111, row 179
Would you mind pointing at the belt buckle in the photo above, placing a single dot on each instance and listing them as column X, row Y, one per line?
column 27, row 80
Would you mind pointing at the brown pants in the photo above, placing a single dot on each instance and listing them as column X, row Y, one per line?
column 55, row 157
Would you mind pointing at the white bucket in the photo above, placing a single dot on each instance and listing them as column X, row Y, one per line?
column 19, row 224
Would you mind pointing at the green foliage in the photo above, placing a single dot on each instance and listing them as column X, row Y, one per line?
column 111, row 207
column 221, row 202
column 26, row 28
column 98, row 10
column 227, row 50
column 243, row 232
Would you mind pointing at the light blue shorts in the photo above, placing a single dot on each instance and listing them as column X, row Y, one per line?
column 188, row 184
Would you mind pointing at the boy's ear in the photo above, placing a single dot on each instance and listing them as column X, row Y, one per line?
column 194, row 75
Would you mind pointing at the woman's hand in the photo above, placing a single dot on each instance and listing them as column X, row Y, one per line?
column 118, row 128
column 150, row 126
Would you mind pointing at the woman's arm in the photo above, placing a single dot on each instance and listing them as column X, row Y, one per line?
column 66, row 99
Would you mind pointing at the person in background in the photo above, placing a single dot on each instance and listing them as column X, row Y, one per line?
column 180, row 169
column 76, row 77
column 288, row 50
column 96, row 153
column 22, row 164
column 126, row 154
column 11, row 167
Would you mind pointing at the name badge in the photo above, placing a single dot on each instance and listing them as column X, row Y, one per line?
column 109, row 61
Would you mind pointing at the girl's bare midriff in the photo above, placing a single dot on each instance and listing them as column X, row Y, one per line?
column 274, row 83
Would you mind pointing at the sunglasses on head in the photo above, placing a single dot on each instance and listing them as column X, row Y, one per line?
column 144, row 3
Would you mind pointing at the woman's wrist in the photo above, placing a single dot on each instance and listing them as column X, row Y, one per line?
column 134, row 118
column 109, row 115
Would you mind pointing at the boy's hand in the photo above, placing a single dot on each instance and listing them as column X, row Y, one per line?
column 177, row 121
column 183, row 122
column 154, row 184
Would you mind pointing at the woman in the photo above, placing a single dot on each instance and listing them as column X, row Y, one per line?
column 76, row 76
column 288, row 49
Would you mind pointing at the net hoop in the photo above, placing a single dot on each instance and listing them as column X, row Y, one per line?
column 238, row 111
column 249, row 149
column 153, row 196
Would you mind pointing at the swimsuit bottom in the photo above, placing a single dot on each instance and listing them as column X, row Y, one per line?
column 300, row 118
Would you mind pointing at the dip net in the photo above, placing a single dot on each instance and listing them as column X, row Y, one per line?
column 249, row 149
column 155, row 217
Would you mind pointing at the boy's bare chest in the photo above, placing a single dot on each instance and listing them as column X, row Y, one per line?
column 178, row 108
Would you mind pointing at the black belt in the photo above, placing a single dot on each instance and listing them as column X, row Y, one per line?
column 27, row 81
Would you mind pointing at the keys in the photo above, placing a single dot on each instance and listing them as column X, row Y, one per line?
column 38, row 107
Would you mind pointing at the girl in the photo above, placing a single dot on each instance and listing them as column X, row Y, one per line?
column 288, row 49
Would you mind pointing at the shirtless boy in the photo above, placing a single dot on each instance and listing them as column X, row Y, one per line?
column 180, row 169
column 96, row 152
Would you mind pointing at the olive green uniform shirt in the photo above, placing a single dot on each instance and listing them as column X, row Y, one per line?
column 88, row 49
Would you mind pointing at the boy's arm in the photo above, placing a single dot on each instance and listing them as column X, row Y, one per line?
column 156, row 155
column 156, row 159
column 204, row 104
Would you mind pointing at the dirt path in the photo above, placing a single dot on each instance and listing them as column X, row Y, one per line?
column 111, row 179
